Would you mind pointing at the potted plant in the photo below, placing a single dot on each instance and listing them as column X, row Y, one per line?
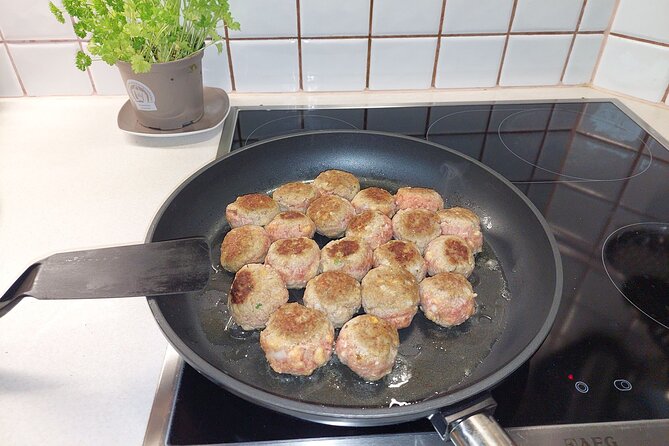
column 158, row 47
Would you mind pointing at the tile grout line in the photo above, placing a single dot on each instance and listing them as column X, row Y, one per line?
column 506, row 42
column 299, row 47
column 230, row 68
column 11, row 61
column 605, row 40
column 666, row 94
column 369, row 44
column 438, row 49
column 573, row 40
column 639, row 39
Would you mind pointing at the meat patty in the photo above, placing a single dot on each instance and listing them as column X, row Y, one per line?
column 251, row 209
column 295, row 196
column 464, row 223
column 418, row 198
column 348, row 255
column 331, row 215
column 401, row 254
column 295, row 259
column 297, row 340
column 337, row 182
column 244, row 245
column 368, row 346
column 391, row 294
column 419, row 226
column 447, row 299
column 449, row 254
column 257, row 291
column 336, row 294
column 290, row 224
column 374, row 199
column 373, row 227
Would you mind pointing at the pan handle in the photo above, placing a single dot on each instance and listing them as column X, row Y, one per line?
column 472, row 425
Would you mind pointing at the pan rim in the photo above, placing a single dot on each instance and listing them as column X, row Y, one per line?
column 355, row 415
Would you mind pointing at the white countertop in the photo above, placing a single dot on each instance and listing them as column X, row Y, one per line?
column 85, row 372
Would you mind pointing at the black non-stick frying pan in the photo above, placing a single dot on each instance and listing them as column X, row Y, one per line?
column 518, row 280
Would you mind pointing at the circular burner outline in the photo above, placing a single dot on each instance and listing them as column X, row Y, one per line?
column 606, row 270
column 293, row 116
column 487, row 110
column 570, row 178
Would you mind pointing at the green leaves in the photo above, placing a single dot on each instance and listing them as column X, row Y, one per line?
column 82, row 60
column 56, row 12
column 139, row 65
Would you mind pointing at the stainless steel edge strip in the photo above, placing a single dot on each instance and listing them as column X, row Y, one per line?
column 157, row 429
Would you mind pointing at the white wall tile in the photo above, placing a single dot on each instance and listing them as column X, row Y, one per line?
column 394, row 17
column 334, row 65
column 648, row 19
column 469, row 61
column 340, row 18
column 534, row 60
column 215, row 68
column 264, row 18
column 31, row 19
column 402, row 63
column 546, row 15
column 48, row 69
column 583, row 58
column 265, row 65
column 597, row 15
column 106, row 78
column 481, row 16
column 9, row 84
column 635, row 68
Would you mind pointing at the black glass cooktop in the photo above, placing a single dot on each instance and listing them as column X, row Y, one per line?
column 602, row 182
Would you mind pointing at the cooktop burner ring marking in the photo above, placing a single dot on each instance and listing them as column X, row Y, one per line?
column 570, row 178
column 304, row 117
column 486, row 110
column 606, row 269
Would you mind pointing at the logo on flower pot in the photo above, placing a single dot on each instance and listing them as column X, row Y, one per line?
column 141, row 95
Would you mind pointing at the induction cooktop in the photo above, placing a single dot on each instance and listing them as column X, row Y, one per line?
column 600, row 177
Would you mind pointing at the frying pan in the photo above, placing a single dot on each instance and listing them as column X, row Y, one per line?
column 444, row 374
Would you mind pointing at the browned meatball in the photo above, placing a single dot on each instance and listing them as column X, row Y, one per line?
column 401, row 254
column 348, row 255
column 295, row 196
column 419, row 226
column 447, row 299
column 373, row 227
column 337, row 182
column 336, row 294
column 251, row 209
column 418, row 198
column 295, row 259
column 244, row 245
column 297, row 340
column 463, row 223
column 449, row 254
column 368, row 346
column 374, row 199
column 290, row 224
column 391, row 294
column 257, row 291
column 331, row 214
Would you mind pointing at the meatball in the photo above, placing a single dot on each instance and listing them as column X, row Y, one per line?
column 368, row 346
column 251, row 209
column 348, row 255
column 290, row 224
column 416, row 225
column 464, row 223
column 297, row 340
column 331, row 215
column 295, row 259
column 337, row 182
column 418, row 198
column 447, row 299
column 295, row 196
column 257, row 291
column 371, row 226
column 336, row 294
column 401, row 254
column 391, row 294
column 449, row 254
column 244, row 245
column 374, row 199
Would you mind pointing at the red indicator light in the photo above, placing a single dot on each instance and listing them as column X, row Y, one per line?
column 571, row 377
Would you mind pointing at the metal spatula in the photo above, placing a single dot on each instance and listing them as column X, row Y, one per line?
column 150, row 269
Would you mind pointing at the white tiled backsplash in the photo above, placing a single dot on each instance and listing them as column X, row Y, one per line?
column 353, row 45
